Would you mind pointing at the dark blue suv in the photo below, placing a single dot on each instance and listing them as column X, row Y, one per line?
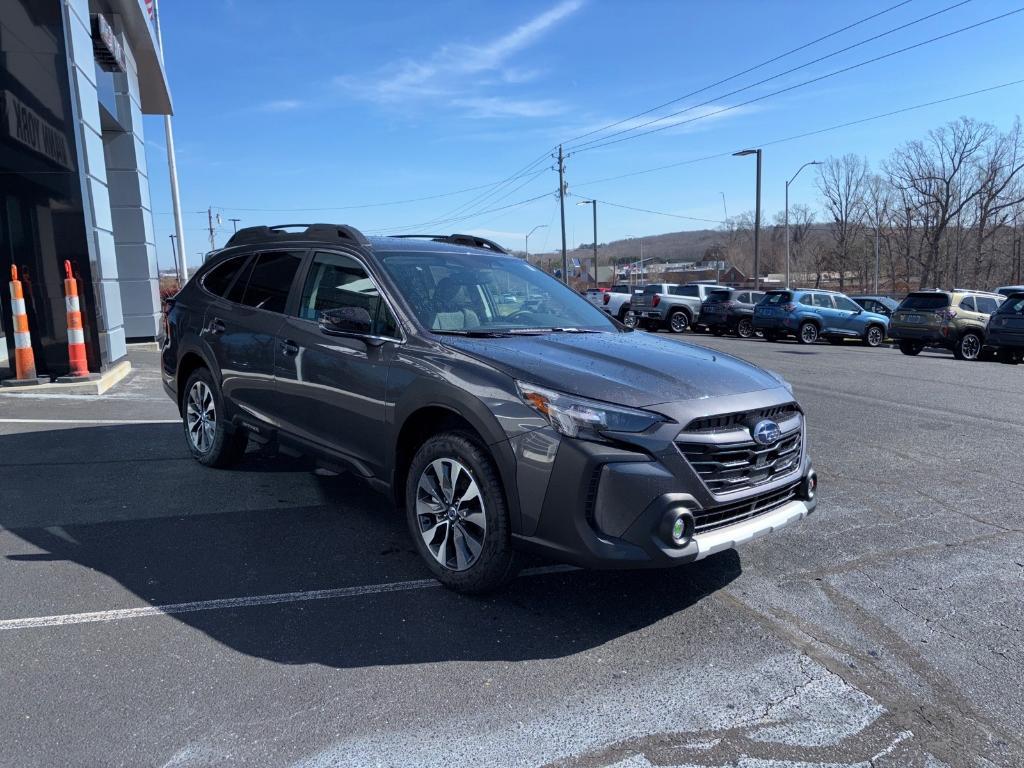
column 813, row 314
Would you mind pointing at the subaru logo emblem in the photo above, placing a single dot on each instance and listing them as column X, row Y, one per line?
column 766, row 432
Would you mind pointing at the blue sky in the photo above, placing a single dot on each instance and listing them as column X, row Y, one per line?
column 317, row 104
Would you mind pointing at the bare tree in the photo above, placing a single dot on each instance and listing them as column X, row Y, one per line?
column 877, row 204
column 937, row 179
column 842, row 182
column 801, row 220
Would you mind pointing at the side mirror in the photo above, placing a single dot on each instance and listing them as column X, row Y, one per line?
column 350, row 322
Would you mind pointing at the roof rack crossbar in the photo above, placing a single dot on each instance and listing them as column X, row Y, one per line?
column 260, row 234
column 471, row 240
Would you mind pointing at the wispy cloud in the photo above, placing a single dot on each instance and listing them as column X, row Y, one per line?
column 280, row 105
column 456, row 73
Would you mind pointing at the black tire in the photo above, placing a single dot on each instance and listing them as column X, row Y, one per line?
column 630, row 320
column 745, row 328
column 653, row 326
column 873, row 336
column 495, row 562
column 910, row 348
column 717, row 331
column 623, row 312
column 835, row 340
column 679, row 321
column 219, row 446
column 808, row 333
column 1008, row 357
column 968, row 347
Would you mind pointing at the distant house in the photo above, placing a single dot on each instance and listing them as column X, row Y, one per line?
column 733, row 276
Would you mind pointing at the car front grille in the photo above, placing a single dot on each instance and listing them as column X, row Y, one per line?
column 717, row 517
column 727, row 421
column 728, row 467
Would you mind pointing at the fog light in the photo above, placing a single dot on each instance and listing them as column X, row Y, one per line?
column 809, row 486
column 678, row 530
column 677, row 527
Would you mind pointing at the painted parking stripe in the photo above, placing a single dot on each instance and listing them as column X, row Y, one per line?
column 122, row 614
column 90, row 421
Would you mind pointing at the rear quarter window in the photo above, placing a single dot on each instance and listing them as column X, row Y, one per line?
column 218, row 280
column 986, row 304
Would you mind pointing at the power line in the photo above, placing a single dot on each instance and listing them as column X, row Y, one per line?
column 463, row 218
column 804, row 135
column 656, row 213
column 840, row 71
column 747, row 71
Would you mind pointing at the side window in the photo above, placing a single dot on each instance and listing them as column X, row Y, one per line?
column 807, row 299
column 986, row 304
column 743, row 298
column 218, row 280
column 846, row 304
column 685, row 290
column 823, row 300
column 270, row 280
column 336, row 281
column 756, row 297
column 967, row 302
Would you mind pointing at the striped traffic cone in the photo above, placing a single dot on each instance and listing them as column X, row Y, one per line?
column 24, row 358
column 76, row 336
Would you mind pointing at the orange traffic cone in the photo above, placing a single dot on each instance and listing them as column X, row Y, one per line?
column 24, row 358
column 76, row 335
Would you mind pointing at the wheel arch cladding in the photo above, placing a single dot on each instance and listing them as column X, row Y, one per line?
column 190, row 362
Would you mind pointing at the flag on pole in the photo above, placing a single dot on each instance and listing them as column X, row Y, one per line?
column 149, row 9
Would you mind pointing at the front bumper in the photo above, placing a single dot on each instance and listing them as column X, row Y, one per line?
column 606, row 507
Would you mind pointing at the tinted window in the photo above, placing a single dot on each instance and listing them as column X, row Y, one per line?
column 270, row 280
column 807, row 299
column 218, row 279
column 986, row 304
column 926, row 301
column 684, row 290
column 781, row 297
column 967, row 302
column 743, row 298
column 847, row 304
column 756, row 296
column 335, row 281
column 716, row 296
column 823, row 300
column 1013, row 305
column 654, row 288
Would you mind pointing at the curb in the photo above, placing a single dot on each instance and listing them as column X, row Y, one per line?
column 94, row 386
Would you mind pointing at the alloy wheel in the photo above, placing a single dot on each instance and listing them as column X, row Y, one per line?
column 679, row 322
column 874, row 336
column 450, row 513
column 629, row 320
column 808, row 333
column 745, row 329
column 201, row 417
column 970, row 347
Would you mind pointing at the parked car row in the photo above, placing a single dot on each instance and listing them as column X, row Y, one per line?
column 971, row 324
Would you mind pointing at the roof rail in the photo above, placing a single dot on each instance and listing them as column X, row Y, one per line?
column 471, row 240
column 262, row 234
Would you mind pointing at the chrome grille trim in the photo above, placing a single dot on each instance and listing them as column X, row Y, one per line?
column 737, row 465
column 718, row 517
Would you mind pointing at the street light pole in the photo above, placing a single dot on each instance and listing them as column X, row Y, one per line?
column 593, row 204
column 539, row 226
column 812, row 162
column 757, row 215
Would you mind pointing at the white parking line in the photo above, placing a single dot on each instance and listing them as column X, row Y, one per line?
column 94, row 617
column 90, row 421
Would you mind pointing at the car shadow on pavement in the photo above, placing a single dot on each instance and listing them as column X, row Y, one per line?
column 170, row 531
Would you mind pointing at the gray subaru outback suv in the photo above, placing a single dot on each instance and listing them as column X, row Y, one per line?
column 498, row 426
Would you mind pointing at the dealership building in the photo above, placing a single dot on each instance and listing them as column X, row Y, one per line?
column 76, row 77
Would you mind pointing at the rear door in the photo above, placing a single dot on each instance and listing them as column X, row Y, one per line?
column 241, row 327
column 332, row 388
column 826, row 312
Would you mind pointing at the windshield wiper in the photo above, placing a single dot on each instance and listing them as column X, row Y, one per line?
column 473, row 334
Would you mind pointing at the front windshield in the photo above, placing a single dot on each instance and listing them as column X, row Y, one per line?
column 476, row 293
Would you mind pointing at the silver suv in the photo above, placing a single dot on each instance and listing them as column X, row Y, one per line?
column 667, row 305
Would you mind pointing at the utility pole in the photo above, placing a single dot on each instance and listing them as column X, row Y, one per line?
column 877, row 226
column 561, row 205
column 812, row 162
column 234, row 223
column 597, row 279
column 209, row 221
column 1016, row 244
column 172, row 166
column 174, row 255
column 539, row 226
column 757, row 215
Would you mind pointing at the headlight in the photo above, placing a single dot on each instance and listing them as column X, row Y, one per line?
column 586, row 419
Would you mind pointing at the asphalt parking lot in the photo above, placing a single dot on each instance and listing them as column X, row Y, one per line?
column 157, row 613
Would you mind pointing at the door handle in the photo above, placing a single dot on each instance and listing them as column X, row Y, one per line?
column 289, row 347
column 216, row 326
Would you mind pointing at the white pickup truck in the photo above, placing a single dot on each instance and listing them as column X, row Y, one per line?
column 617, row 301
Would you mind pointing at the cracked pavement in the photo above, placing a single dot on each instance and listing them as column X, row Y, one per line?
column 883, row 631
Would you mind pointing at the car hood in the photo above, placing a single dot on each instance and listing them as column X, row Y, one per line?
column 633, row 369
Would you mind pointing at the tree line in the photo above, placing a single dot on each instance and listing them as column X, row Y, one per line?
column 943, row 209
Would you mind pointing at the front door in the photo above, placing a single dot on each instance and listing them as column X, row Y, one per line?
column 849, row 316
column 332, row 388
